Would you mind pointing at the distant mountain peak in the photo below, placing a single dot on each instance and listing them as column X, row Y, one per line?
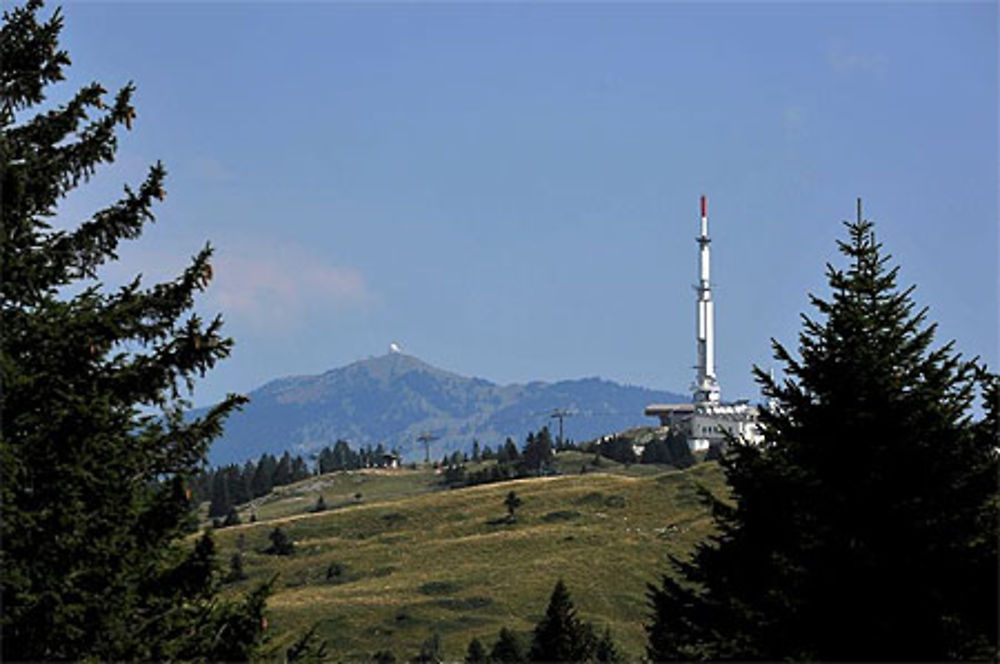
column 389, row 399
column 391, row 365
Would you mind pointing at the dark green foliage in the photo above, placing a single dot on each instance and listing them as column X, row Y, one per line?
column 537, row 451
column 617, row 449
column 508, row 649
column 510, row 464
column 430, row 651
column 342, row 457
column 507, row 453
column 232, row 485
column 476, row 653
column 560, row 636
column 307, row 648
column 283, row 473
column 673, row 450
column 238, row 630
column 221, row 502
column 606, row 649
column 95, row 448
column 281, row 543
column 512, row 502
column 232, row 518
column 455, row 475
column 383, row 657
column 263, row 476
column 236, row 572
column 866, row 527
column 320, row 505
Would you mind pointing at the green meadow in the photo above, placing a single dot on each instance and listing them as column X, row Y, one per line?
column 409, row 558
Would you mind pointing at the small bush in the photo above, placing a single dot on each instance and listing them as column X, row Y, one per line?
column 281, row 544
column 560, row 515
column 439, row 588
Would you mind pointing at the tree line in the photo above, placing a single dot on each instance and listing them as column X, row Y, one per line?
column 227, row 487
column 671, row 450
column 509, row 462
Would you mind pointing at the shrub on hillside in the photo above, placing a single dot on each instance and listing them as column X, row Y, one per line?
column 281, row 543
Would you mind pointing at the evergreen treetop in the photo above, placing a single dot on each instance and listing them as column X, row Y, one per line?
column 95, row 446
column 560, row 636
column 507, row 649
column 865, row 527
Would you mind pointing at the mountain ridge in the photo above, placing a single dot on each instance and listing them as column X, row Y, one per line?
column 393, row 398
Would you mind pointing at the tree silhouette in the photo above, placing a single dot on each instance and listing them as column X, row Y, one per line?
column 476, row 653
column 512, row 502
column 508, row 649
column 96, row 446
column 865, row 527
column 560, row 636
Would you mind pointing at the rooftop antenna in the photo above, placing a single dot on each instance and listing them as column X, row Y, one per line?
column 560, row 414
column 426, row 438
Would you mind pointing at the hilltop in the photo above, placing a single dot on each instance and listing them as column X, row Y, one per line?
column 393, row 398
column 407, row 559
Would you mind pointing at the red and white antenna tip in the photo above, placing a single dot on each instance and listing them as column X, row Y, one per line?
column 704, row 206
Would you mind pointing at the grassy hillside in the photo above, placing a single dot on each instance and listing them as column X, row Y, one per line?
column 405, row 561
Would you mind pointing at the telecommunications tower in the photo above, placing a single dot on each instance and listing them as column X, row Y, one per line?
column 706, row 421
column 706, row 386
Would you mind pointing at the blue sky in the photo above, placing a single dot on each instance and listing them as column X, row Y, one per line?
column 511, row 190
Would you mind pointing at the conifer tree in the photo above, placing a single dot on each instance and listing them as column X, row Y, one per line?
column 508, row 648
column 283, row 471
column 560, row 636
column 236, row 572
column 232, row 518
column 261, row 483
column 512, row 502
column 94, row 505
column 606, row 649
column 865, row 527
column 221, row 502
column 476, row 653
column 281, row 543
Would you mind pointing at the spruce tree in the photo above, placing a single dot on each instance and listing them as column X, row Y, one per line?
column 261, row 483
column 560, row 636
column 283, row 471
column 476, row 653
column 508, row 648
column 281, row 543
column 606, row 650
column 220, row 503
column 95, row 445
column 865, row 527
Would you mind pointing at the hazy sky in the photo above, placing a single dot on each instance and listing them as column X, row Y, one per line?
column 511, row 190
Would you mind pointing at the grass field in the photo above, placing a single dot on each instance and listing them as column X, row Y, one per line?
column 409, row 559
